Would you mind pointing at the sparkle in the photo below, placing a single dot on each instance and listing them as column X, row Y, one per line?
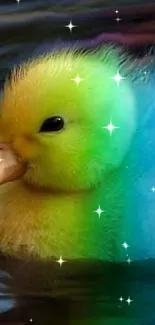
column 118, row 19
column 125, row 245
column 121, row 299
column 77, row 79
column 18, row 1
column 129, row 261
column 110, row 127
column 117, row 78
column 129, row 301
column 99, row 211
column 31, row 320
column 116, row 11
column 60, row 261
column 1, row 160
column 153, row 189
column 70, row 26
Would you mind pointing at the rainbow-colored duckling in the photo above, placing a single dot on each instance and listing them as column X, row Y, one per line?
column 59, row 156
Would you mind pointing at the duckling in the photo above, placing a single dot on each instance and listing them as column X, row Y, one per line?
column 59, row 159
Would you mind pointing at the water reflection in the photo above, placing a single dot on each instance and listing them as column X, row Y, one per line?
column 78, row 293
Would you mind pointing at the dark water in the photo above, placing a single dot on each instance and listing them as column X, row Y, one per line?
column 80, row 292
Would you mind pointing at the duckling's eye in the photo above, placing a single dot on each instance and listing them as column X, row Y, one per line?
column 52, row 124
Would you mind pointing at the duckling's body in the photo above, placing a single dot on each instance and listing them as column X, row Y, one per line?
column 50, row 211
column 53, row 224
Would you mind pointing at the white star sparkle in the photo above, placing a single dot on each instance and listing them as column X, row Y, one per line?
column 153, row 189
column 118, row 19
column 77, row 79
column 31, row 320
column 117, row 78
column 70, row 26
column 60, row 261
column 129, row 261
column 121, row 299
column 116, row 11
column 129, row 301
column 110, row 127
column 18, row 1
column 99, row 211
column 125, row 245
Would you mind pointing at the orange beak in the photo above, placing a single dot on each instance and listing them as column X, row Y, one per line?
column 10, row 166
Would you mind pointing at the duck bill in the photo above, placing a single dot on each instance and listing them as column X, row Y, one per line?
column 11, row 168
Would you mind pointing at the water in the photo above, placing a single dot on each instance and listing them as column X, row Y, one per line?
column 81, row 292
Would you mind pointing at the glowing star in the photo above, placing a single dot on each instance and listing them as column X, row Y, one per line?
column 99, row 211
column 110, row 127
column 70, row 26
column 116, row 11
column 77, row 79
column 31, row 320
column 18, row 1
column 129, row 301
column 129, row 261
column 117, row 78
column 118, row 19
column 153, row 189
column 121, row 299
column 125, row 245
column 60, row 261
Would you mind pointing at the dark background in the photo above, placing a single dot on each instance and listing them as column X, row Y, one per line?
column 33, row 27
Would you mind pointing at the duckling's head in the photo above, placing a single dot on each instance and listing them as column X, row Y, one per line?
column 54, row 114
